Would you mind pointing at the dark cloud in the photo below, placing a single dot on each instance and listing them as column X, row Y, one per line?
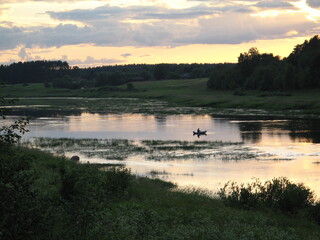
column 274, row 4
column 125, row 55
column 238, row 28
column 22, row 53
column 10, row 37
column 108, row 12
column 265, row 4
column 314, row 3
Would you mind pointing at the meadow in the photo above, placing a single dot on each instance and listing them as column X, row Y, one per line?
column 188, row 93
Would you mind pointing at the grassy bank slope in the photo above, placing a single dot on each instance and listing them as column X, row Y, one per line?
column 46, row 197
column 191, row 92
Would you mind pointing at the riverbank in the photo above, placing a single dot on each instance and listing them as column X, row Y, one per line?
column 190, row 93
column 50, row 197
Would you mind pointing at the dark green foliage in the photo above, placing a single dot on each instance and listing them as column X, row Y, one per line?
column 146, row 75
column 278, row 194
column 111, row 79
column 43, row 197
column 33, row 72
column 10, row 134
column 224, row 76
column 60, row 74
column 300, row 70
column 315, row 212
column 160, row 72
column 66, row 82
column 20, row 210
column 130, row 87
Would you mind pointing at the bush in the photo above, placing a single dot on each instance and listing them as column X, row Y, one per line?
column 20, row 209
column 239, row 92
column 45, row 197
column 278, row 194
column 314, row 212
column 130, row 87
column 87, row 181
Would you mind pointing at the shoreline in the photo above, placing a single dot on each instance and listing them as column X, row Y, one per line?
column 191, row 93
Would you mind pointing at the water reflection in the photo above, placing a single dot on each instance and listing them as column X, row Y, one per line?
column 174, row 127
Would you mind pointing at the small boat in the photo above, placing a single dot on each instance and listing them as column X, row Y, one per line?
column 199, row 132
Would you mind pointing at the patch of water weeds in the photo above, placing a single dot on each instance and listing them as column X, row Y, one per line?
column 154, row 150
column 209, row 150
column 109, row 149
column 157, row 173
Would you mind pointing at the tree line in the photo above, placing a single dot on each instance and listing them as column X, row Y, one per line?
column 266, row 72
column 60, row 74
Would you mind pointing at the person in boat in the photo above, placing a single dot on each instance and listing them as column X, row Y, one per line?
column 198, row 130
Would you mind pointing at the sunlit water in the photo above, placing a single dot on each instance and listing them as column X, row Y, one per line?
column 287, row 148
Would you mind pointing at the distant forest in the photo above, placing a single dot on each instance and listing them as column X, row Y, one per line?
column 265, row 72
column 60, row 74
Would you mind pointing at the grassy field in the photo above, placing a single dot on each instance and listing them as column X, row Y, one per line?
column 191, row 92
column 47, row 197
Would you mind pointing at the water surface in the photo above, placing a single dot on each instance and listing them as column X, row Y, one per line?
column 157, row 144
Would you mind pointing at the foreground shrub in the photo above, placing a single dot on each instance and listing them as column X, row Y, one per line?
column 46, row 197
column 278, row 193
column 315, row 212
column 20, row 209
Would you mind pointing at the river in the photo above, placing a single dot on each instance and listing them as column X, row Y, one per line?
column 161, row 145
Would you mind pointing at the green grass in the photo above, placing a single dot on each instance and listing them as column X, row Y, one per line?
column 38, row 90
column 190, row 93
column 47, row 197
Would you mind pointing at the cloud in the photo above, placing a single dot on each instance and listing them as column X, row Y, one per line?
column 10, row 37
column 206, row 23
column 22, row 53
column 235, row 29
column 125, row 55
column 109, row 12
column 274, row 4
column 47, row 1
column 92, row 61
column 313, row 3
column 247, row 4
column 145, row 55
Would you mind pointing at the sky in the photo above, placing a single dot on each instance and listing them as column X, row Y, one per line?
column 108, row 32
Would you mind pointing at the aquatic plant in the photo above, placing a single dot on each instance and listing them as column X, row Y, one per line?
column 156, row 150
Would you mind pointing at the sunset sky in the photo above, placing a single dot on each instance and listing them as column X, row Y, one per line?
column 92, row 33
